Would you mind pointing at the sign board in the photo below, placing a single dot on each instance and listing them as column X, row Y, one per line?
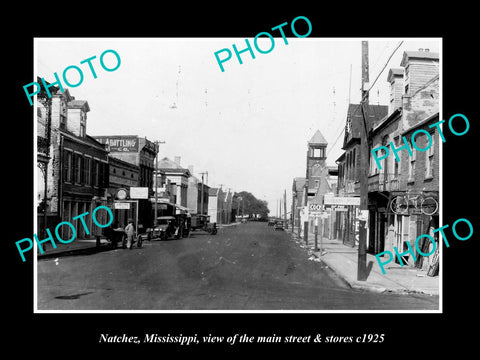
column 362, row 215
column 122, row 205
column 314, row 207
column 138, row 192
column 333, row 200
column 339, row 208
column 121, row 143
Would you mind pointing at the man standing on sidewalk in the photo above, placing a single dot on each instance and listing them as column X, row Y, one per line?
column 130, row 232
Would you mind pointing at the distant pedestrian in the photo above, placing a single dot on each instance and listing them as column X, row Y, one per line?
column 130, row 232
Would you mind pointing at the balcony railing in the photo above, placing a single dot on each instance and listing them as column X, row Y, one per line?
column 383, row 182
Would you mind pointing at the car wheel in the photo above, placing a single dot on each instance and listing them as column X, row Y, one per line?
column 139, row 241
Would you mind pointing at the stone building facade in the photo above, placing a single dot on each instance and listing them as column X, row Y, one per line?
column 412, row 181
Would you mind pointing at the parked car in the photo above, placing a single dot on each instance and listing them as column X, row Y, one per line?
column 202, row 222
column 271, row 222
column 165, row 227
column 278, row 225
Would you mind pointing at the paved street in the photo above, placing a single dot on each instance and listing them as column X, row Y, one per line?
column 244, row 267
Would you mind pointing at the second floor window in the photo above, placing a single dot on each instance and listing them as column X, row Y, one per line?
column 429, row 159
column 411, row 166
column 78, row 168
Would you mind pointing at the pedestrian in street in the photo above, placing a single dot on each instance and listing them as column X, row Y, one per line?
column 130, row 232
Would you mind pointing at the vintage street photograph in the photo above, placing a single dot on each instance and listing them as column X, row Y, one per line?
column 267, row 174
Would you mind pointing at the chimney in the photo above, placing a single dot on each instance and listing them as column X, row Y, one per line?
column 395, row 78
column 77, row 117
column 420, row 67
column 177, row 160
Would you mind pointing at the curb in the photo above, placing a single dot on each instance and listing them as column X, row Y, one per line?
column 88, row 250
column 354, row 284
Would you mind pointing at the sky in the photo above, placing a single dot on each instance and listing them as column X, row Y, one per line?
column 248, row 126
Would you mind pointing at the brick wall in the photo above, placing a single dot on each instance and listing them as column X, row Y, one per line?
column 420, row 181
column 420, row 105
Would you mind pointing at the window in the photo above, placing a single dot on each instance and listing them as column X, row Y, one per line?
column 395, row 162
column 96, row 173
column 317, row 184
column 318, row 152
column 353, row 163
column 411, row 167
column 78, row 168
column 67, row 166
column 373, row 163
column 87, row 172
column 429, row 159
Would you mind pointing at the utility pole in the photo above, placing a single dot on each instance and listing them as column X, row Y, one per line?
column 201, row 196
column 364, row 159
column 157, row 143
column 285, row 208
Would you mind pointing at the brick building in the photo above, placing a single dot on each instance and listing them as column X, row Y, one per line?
column 76, row 164
column 317, row 182
column 123, row 175
column 140, row 152
column 413, row 181
column 349, row 167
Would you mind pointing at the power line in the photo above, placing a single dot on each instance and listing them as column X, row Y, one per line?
column 368, row 91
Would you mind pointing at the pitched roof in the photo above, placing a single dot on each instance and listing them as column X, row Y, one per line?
column 418, row 55
column 375, row 113
column 394, row 72
column 318, row 139
column 79, row 104
column 299, row 183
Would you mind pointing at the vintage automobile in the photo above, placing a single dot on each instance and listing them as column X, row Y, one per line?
column 165, row 227
column 202, row 222
column 278, row 225
column 116, row 235
column 182, row 223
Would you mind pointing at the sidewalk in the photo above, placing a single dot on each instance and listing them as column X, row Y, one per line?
column 343, row 260
column 219, row 226
column 76, row 247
